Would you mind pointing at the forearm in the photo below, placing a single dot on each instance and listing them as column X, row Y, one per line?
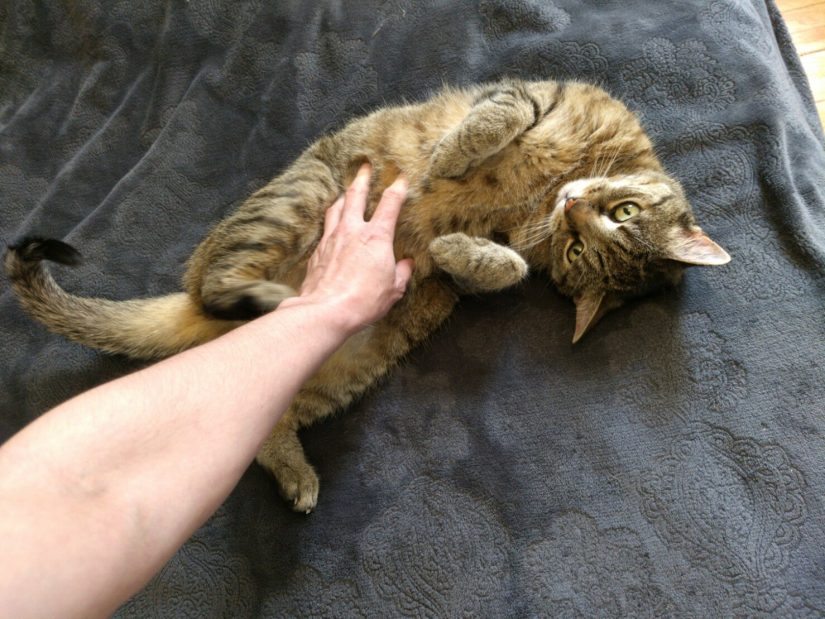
column 129, row 484
column 98, row 493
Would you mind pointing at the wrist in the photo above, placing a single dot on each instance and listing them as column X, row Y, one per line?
column 335, row 314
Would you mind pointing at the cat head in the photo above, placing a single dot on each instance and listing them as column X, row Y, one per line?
column 620, row 237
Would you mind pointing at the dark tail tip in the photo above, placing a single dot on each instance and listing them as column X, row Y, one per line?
column 33, row 249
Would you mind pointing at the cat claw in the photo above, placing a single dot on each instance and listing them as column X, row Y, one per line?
column 300, row 490
column 299, row 504
column 304, row 504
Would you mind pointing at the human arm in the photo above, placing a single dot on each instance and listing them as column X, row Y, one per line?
column 97, row 494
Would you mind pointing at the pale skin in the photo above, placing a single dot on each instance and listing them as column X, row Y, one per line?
column 97, row 494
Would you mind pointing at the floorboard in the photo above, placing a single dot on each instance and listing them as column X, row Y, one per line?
column 806, row 22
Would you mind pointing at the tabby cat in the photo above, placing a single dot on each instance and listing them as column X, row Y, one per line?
column 555, row 175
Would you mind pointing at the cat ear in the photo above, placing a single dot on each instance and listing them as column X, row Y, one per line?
column 590, row 307
column 692, row 246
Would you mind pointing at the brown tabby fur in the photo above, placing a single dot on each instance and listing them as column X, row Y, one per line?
column 489, row 170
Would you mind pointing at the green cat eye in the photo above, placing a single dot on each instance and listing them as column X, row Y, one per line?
column 625, row 211
column 575, row 250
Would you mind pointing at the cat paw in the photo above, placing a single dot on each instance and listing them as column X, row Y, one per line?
column 445, row 162
column 478, row 264
column 299, row 488
column 283, row 457
column 445, row 248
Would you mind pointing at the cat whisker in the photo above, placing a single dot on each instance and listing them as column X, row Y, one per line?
column 608, row 156
column 524, row 244
column 609, row 162
column 646, row 244
column 595, row 165
column 540, row 224
column 580, row 280
column 533, row 236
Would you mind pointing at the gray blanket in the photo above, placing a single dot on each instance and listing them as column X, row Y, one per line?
column 672, row 464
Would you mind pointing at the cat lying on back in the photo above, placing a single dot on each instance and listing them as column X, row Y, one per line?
column 504, row 177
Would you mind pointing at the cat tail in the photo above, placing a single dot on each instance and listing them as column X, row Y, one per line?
column 139, row 328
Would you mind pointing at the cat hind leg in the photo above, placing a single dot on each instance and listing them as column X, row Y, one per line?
column 358, row 364
column 283, row 457
column 235, row 299
column 255, row 258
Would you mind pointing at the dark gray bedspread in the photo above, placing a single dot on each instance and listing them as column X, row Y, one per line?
column 671, row 464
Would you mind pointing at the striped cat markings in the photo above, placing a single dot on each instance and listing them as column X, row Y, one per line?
column 504, row 179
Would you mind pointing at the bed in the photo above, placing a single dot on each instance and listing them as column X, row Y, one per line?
column 669, row 465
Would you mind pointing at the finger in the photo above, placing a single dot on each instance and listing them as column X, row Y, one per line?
column 315, row 258
column 332, row 217
column 403, row 273
column 386, row 214
column 356, row 197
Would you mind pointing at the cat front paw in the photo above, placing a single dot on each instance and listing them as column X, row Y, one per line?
column 444, row 248
column 447, row 161
column 478, row 264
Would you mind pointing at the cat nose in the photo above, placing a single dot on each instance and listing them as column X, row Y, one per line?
column 578, row 212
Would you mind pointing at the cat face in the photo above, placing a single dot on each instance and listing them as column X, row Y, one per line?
column 619, row 237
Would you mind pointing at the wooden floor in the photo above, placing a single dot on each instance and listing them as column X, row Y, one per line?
column 806, row 21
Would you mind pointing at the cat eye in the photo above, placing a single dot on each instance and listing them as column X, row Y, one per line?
column 575, row 250
column 625, row 211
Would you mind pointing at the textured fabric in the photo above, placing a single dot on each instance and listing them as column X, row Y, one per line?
column 671, row 464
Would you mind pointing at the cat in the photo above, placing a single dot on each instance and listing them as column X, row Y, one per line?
column 503, row 178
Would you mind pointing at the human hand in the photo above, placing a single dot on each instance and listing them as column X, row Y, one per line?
column 353, row 269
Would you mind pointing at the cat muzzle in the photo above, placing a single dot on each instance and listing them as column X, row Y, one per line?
column 578, row 212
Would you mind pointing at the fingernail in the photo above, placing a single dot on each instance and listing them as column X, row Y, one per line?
column 401, row 183
column 365, row 170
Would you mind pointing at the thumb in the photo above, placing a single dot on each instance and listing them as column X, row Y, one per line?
column 403, row 272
